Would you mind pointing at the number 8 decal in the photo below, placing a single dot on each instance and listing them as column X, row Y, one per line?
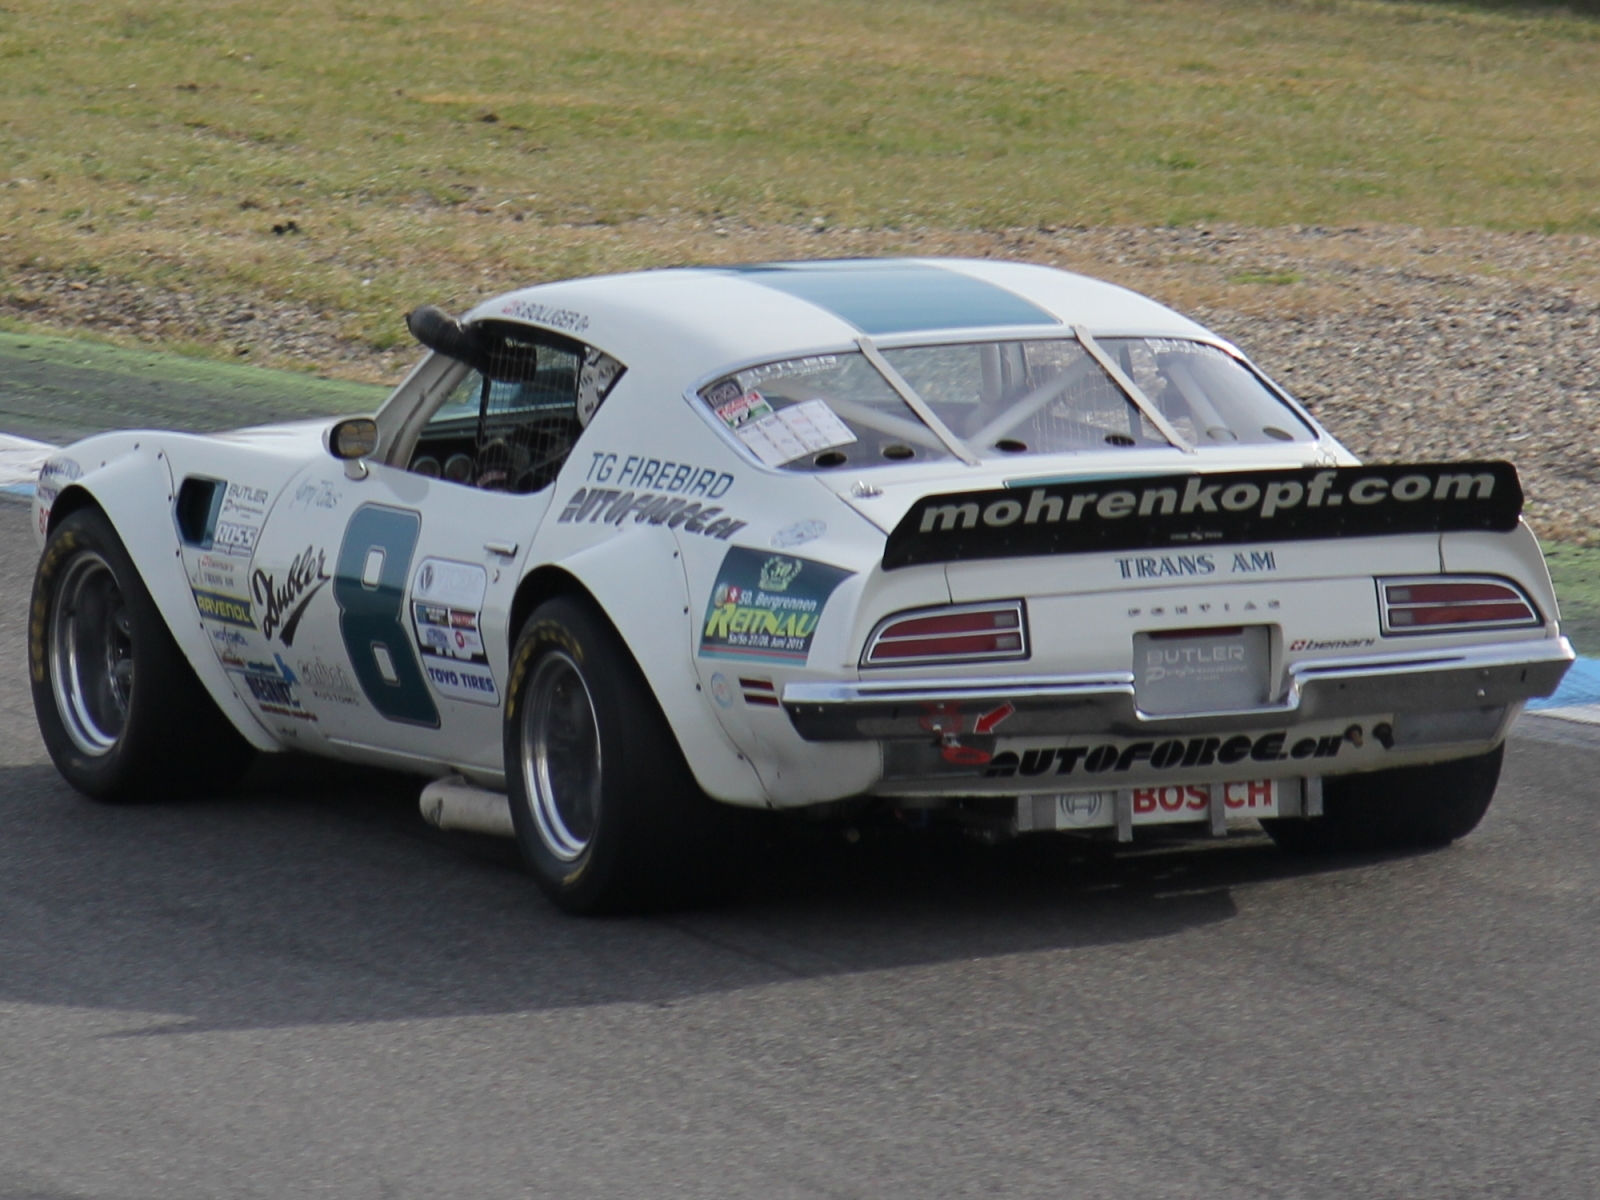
column 369, row 585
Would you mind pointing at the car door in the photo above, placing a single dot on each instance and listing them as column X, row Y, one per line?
column 416, row 564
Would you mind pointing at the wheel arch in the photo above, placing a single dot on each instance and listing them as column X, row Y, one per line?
column 69, row 501
column 537, row 586
column 134, row 494
column 640, row 591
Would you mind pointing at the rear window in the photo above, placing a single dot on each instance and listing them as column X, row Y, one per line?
column 1209, row 396
column 820, row 413
column 1039, row 396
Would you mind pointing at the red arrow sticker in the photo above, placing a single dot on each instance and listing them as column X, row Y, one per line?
column 987, row 722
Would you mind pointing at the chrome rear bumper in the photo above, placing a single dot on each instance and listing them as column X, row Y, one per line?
column 1476, row 677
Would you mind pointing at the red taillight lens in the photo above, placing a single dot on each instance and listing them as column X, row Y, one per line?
column 1439, row 604
column 969, row 632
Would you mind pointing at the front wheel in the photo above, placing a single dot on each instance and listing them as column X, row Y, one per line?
column 1404, row 808
column 120, row 710
column 608, row 814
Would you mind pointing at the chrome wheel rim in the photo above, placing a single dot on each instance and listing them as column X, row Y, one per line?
column 561, row 756
column 91, row 655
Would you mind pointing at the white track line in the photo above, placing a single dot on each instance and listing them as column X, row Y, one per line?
column 20, row 460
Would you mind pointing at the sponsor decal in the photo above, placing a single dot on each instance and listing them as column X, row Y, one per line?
column 612, row 506
column 283, row 604
column 766, row 606
column 746, row 406
column 565, row 319
column 1229, row 507
column 230, row 610
column 725, row 390
column 272, row 686
column 321, row 496
column 233, row 538
column 1169, row 803
column 1330, row 643
column 329, row 681
column 1166, row 754
column 244, row 503
column 661, row 475
column 454, row 584
column 797, row 534
column 1240, row 798
column 228, row 639
column 214, row 572
column 60, row 470
column 236, row 519
column 446, row 604
column 54, row 475
column 1083, row 809
column 721, row 692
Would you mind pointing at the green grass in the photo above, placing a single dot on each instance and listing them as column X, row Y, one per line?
column 430, row 151
column 58, row 389
column 1576, row 573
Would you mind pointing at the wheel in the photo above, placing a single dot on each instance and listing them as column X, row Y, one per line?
column 607, row 812
column 1400, row 809
column 121, row 711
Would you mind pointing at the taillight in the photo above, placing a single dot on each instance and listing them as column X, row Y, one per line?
column 1445, row 603
column 955, row 633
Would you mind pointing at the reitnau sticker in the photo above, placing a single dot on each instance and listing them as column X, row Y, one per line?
column 765, row 607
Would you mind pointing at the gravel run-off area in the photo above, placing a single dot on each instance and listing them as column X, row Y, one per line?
column 1407, row 343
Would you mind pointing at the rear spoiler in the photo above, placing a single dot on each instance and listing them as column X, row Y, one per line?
column 1226, row 508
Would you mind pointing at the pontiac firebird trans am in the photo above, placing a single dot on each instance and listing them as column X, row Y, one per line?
column 1002, row 544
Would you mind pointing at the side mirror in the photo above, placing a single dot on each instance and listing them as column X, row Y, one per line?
column 352, row 438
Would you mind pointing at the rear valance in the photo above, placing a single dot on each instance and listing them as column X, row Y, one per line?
column 1148, row 512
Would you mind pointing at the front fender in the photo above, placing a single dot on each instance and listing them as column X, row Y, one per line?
column 637, row 578
column 133, row 486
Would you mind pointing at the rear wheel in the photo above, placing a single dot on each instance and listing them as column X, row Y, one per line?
column 1400, row 809
column 607, row 812
column 120, row 709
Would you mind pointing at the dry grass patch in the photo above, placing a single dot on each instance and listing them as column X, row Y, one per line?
column 423, row 150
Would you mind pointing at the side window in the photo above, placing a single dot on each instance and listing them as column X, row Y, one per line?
column 513, row 419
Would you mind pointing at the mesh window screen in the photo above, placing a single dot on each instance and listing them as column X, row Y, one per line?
column 510, row 424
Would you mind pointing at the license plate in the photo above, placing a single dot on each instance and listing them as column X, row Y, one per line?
column 1192, row 802
column 1202, row 671
column 1165, row 804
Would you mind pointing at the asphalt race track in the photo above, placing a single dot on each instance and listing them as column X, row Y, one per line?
column 302, row 990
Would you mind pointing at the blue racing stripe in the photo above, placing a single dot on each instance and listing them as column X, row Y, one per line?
column 880, row 297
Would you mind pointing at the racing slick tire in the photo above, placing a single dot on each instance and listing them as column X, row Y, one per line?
column 1405, row 808
column 607, row 812
column 121, row 711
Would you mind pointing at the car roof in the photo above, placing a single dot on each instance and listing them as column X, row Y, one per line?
column 701, row 319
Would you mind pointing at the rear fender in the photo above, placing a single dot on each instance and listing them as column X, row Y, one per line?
column 134, row 489
column 637, row 579
column 1515, row 555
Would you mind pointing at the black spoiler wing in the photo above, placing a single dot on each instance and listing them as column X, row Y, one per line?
column 1147, row 512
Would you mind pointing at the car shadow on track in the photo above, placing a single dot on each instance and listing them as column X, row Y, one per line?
column 318, row 895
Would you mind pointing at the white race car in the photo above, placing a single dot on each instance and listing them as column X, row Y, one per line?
column 990, row 541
